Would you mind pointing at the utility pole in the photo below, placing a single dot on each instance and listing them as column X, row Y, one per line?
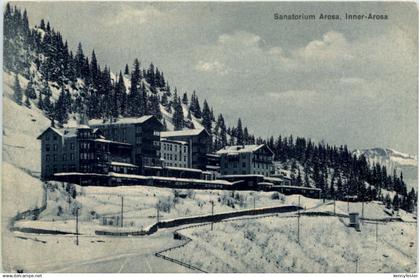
column 334, row 207
column 357, row 263
column 212, row 212
column 298, row 230
column 77, row 226
column 254, row 200
column 122, row 210
column 157, row 212
column 376, row 233
column 363, row 210
column 348, row 199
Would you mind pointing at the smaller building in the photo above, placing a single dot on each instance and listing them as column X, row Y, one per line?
column 246, row 160
column 199, row 142
column 174, row 153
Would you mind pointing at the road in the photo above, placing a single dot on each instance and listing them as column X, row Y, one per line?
column 94, row 254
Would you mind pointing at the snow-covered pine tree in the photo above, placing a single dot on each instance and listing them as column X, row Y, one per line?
column 178, row 115
column 60, row 109
column 17, row 91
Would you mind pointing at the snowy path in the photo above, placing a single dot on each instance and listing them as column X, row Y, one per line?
column 60, row 254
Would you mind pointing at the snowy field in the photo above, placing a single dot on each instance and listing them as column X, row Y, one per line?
column 326, row 245
column 140, row 206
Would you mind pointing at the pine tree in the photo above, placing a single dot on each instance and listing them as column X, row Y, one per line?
column 387, row 201
column 30, row 91
column 17, row 89
column 80, row 61
column 206, row 117
column 27, row 103
column 126, row 70
column 239, row 133
column 396, row 202
column 94, row 70
column 178, row 116
column 185, row 98
column 60, row 109
column 40, row 102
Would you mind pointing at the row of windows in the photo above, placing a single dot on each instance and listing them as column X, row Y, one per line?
column 87, row 156
column 84, row 145
column 245, row 173
column 55, row 147
column 168, row 147
column 256, row 165
column 169, row 156
column 174, row 164
column 57, row 168
column 54, row 157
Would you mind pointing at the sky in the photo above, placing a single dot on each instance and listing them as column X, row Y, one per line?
column 343, row 82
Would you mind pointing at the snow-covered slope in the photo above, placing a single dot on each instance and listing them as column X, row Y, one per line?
column 393, row 159
column 21, row 187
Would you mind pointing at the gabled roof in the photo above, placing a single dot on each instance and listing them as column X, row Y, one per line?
column 127, row 120
column 63, row 132
column 185, row 132
column 50, row 128
column 242, row 149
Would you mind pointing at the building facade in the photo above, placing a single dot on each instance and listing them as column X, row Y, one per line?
column 142, row 133
column 198, row 141
column 246, row 160
column 174, row 153
column 81, row 150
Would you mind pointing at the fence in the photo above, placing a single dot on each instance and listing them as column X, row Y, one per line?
column 202, row 219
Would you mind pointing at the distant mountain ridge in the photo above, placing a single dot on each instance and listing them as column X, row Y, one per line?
column 392, row 159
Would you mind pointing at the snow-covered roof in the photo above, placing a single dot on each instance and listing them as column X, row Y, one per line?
column 173, row 141
column 115, row 163
column 239, row 149
column 127, row 120
column 185, row 132
column 110, row 141
column 174, row 168
column 63, row 132
column 296, row 187
column 242, row 176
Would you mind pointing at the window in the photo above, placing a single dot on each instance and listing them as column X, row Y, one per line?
column 72, row 156
column 174, row 156
column 243, row 164
column 47, row 137
column 71, row 146
column 64, row 157
column 55, row 158
column 185, row 149
column 47, row 147
column 55, row 147
column 176, row 147
column 47, row 157
column 156, row 133
column 55, row 137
